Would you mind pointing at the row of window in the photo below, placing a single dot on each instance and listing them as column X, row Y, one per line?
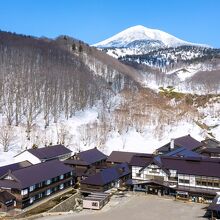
column 202, row 181
column 208, row 183
column 147, row 176
column 46, row 193
column 45, row 183
column 183, row 181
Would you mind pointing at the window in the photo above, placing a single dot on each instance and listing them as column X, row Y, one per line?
column 61, row 186
column 184, row 181
column 24, row 192
column 154, row 170
column 198, row 183
column 39, row 185
column 95, row 204
column 204, row 183
column 48, row 182
column 40, row 195
column 209, row 183
column 48, row 192
column 32, row 188
column 61, row 177
column 216, row 185
column 138, row 175
column 32, row 199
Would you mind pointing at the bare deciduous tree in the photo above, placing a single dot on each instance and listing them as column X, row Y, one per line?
column 6, row 137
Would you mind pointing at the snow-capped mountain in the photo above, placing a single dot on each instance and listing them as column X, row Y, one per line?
column 141, row 33
column 151, row 50
column 140, row 40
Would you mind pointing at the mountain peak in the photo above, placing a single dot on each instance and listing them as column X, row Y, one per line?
column 141, row 33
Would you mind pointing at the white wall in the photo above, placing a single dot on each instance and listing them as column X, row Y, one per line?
column 148, row 172
column 87, row 204
column 26, row 156
column 192, row 181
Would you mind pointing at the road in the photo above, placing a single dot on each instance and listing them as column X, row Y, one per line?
column 141, row 208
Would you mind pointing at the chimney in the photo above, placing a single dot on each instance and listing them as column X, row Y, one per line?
column 172, row 143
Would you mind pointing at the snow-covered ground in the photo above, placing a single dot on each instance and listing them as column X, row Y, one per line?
column 151, row 81
column 75, row 136
column 189, row 71
column 41, row 136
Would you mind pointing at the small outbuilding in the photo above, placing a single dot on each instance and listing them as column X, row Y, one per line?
column 96, row 200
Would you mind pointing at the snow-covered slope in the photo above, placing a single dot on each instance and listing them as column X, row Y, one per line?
column 143, row 130
column 141, row 33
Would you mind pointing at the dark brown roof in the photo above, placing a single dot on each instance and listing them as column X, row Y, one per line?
column 124, row 157
column 6, row 197
column 200, row 166
column 186, row 142
column 50, row 152
column 108, row 175
column 141, row 160
column 9, row 184
column 194, row 166
column 14, row 166
column 91, row 156
column 35, row 174
column 76, row 162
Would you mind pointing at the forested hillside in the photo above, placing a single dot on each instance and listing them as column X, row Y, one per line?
column 64, row 91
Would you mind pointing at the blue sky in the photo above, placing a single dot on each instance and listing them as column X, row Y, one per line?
column 95, row 20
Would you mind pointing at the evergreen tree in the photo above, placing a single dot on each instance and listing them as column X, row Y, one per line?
column 80, row 48
column 73, row 46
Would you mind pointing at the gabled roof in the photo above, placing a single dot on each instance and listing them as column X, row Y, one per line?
column 91, row 156
column 10, row 184
column 186, row 142
column 193, row 165
column 123, row 157
column 120, row 157
column 50, row 152
column 141, row 160
column 156, row 161
column 35, row 174
column 6, row 197
column 14, row 166
column 108, row 175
